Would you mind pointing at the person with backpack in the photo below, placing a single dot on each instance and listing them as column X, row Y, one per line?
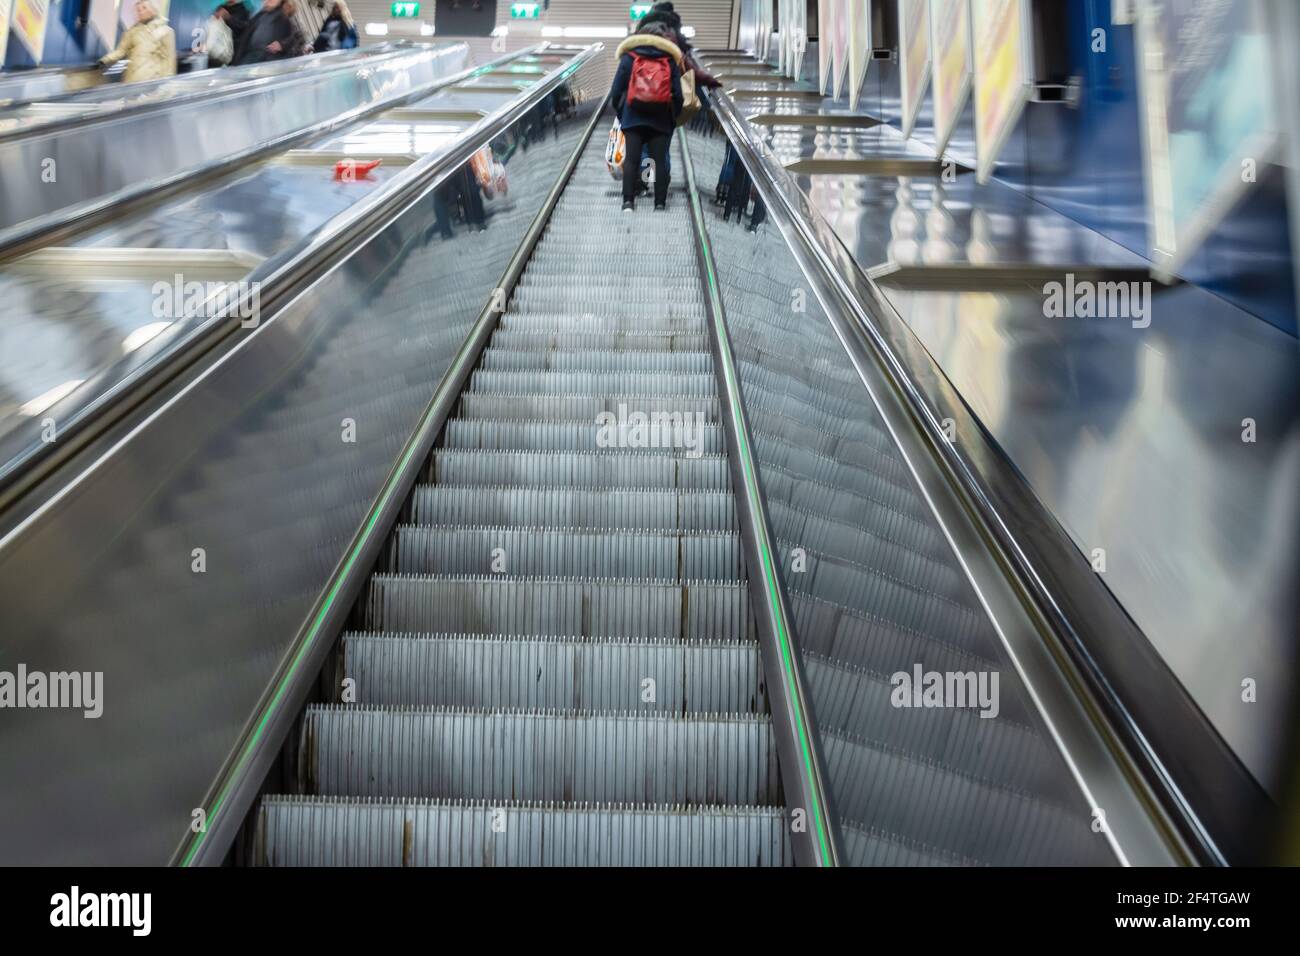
column 647, row 96
column 663, row 14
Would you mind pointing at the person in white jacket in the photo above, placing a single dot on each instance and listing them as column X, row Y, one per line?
column 149, row 47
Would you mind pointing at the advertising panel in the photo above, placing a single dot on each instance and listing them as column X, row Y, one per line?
column 950, row 46
column 1002, row 77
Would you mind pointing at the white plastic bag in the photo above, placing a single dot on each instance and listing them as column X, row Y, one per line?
column 614, row 151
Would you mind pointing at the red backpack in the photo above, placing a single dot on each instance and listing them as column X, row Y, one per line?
column 651, row 80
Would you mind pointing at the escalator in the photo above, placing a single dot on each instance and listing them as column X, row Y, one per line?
column 556, row 662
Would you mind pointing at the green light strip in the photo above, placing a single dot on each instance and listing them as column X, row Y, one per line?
column 764, row 547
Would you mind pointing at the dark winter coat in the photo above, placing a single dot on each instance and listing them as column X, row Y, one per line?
column 237, row 20
column 660, row 118
column 267, row 27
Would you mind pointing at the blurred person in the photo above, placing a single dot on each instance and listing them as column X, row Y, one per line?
column 338, row 32
column 218, row 40
column 271, row 35
column 149, row 47
column 237, row 18
column 647, row 96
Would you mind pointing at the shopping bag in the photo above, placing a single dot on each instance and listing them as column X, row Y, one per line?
column 690, row 99
column 614, row 151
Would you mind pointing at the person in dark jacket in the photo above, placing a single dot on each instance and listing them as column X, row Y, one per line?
column 338, row 32
column 271, row 35
column 236, row 16
column 646, row 125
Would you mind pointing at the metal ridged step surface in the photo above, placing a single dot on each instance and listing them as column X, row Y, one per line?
column 556, row 661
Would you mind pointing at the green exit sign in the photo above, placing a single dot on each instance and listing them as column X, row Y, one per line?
column 525, row 11
column 406, row 10
column 638, row 10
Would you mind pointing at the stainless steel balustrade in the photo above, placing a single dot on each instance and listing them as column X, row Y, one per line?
column 51, row 102
column 66, row 170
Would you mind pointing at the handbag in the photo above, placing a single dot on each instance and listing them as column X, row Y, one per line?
column 690, row 99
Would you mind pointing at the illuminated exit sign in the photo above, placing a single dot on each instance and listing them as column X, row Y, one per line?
column 638, row 10
column 525, row 11
column 401, row 10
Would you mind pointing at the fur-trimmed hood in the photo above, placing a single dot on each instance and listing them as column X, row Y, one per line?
column 649, row 39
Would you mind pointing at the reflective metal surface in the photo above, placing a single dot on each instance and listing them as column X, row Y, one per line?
column 64, row 168
column 1199, row 536
column 22, row 85
column 62, row 358
column 256, row 465
column 99, row 99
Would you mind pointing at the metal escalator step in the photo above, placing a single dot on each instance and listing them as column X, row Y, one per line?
column 859, row 703
column 306, row 831
column 957, row 813
column 575, row 508
column 600, row 341
column 692, row 611
column 663, row 433
column 580, row 408
column 610, row 383
column 891, row 600
column 557, row 673
column 578, row 299
column 352, row 750
column 815, row 533
column 865, row 846
column 580, row 469
column 594, row 321
column 669, row 363
column 552, row 552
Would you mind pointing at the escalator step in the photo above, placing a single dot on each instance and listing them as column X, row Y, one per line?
column 306, row 831
column 580, row 469
column 691, row 611
column 574, row 508
column 534, row 552
column 508, row 671
column 669, row 433
column 353, row 750
column 579, row 407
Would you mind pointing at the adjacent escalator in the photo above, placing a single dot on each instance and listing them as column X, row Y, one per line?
column 556, row 662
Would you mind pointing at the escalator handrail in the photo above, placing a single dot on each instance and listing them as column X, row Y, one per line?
column 331, row 58
column 241, row 776
column 804, row 772
column 278, row 280
column 1207, row 809
column 191, row 98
